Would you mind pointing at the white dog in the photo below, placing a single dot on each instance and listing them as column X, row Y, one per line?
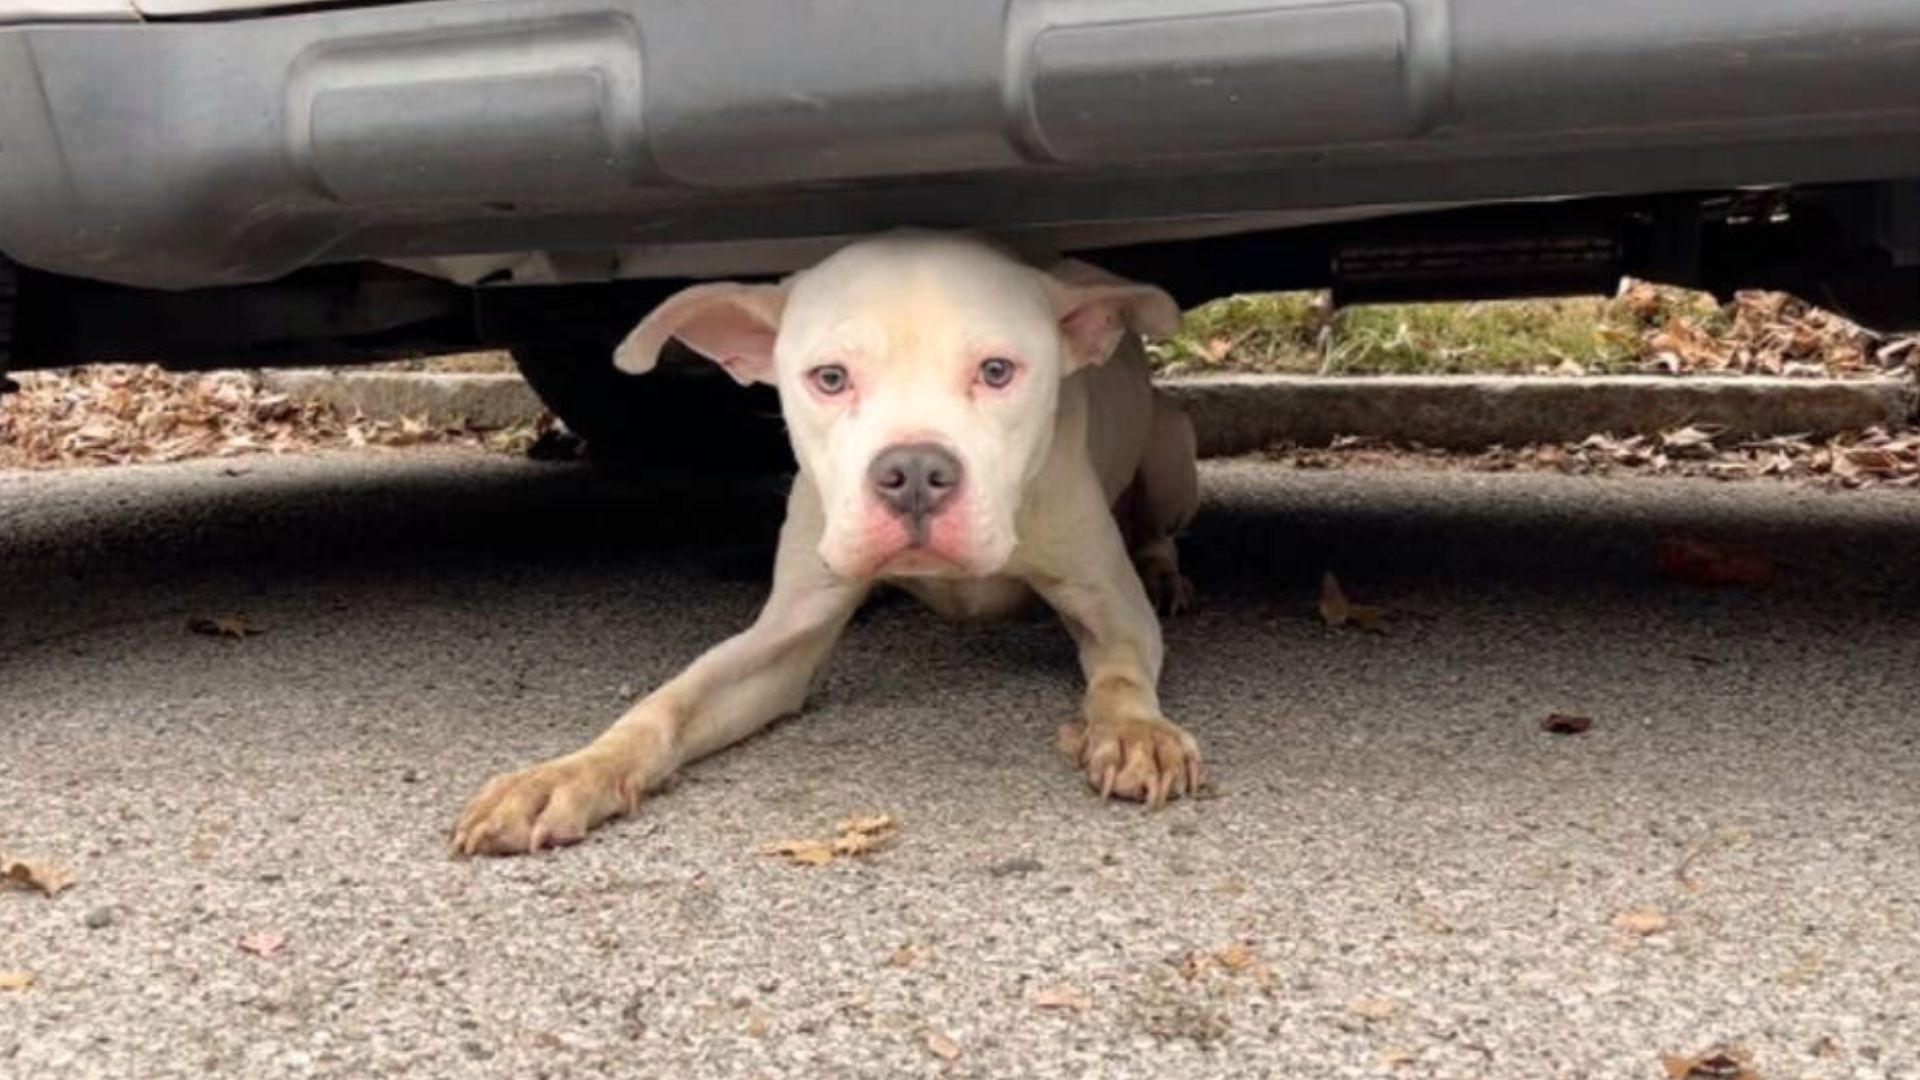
column 968, row 428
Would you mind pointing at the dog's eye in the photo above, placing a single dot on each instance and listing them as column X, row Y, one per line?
column 997, row 371
column 829, row 379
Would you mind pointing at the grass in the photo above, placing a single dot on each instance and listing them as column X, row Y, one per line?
column 1294, row 332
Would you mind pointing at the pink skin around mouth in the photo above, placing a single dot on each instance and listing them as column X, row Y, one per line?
column 888, row 548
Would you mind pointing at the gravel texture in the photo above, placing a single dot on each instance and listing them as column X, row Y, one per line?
column 1401, row 874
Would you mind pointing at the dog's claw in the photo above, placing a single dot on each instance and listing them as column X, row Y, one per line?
column 549, row 805
column 1150, row 761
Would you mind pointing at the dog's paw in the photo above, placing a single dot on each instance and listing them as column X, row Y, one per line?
column 1170, row 591
column 549, row 805
column 1149, row 761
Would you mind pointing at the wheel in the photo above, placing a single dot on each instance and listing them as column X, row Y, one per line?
column 686, row 411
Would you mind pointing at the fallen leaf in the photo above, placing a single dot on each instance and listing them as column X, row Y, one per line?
column 1337, row 610
column 803, row 852
column 1689, row 441
column 904, row 956
column 1644, row 922
column 1373, row 1009
column 14, row 981
column 1235, row 957
column 1720, row 1063
column 1565, row 724
column 1395, row 1057
column 262, row 942
column 872, row 825
column 1697, row 562
column 944, row 1048
column 1061, row 996
column 852, row 845
column 223, row 626
column 43, row 876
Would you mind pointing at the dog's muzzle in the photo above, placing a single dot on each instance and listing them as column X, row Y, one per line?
column 913, row 482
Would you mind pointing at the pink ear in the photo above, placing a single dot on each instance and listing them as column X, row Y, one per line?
column 731, row 324
column 1097, row 308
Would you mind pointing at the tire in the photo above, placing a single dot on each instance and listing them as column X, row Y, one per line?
column 686, row 412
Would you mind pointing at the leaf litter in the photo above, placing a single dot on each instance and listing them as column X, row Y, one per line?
column 1878, row 457
column 856, row 837
column 43, row 877
column 1719, row 1063
column 1566, row 724
column 943, row 1047
column 1710, row 565
column 224, row 626
column 1337, row 610
column 117, row 414
column 262, row 943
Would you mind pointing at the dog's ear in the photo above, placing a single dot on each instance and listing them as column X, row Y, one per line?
column 1096, row 308
column 731, row 324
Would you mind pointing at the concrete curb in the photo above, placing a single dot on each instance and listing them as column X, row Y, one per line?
column 1235, row 414
column 1239, row 413
column 485, row 401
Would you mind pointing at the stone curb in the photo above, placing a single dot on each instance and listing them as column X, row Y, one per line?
column 1235, row 414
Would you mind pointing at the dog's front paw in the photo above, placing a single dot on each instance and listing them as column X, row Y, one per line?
column 549, row 805
column 1170, row 591
column 1149, row 761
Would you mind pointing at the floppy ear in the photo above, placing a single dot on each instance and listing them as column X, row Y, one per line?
column 1095, row 308
column 731, row 324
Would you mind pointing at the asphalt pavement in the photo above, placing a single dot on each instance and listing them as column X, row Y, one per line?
column 1398, row 873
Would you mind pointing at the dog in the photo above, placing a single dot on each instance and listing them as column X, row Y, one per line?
column 968, row 428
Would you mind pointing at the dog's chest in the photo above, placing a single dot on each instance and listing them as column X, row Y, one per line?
column 970, row 598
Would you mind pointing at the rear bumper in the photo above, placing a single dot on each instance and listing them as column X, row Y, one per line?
column 190, row 154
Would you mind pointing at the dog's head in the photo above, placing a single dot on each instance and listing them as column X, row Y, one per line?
column 919, row 375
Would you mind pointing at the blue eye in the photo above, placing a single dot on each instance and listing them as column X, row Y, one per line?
column 997, row 371
column 830, row 379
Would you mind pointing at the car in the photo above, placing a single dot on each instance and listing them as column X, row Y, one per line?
column 213, row 183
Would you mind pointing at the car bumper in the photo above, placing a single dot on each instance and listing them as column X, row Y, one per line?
column 200, row 153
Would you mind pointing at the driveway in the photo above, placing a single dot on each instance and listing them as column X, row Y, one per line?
column 1399, row 873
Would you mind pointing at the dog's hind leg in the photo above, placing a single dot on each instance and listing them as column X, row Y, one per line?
column 1166, row 498
column 735, row 689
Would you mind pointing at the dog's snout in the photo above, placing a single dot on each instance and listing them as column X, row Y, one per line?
column 914, row 481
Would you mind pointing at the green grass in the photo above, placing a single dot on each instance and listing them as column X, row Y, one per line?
column 1291, row 332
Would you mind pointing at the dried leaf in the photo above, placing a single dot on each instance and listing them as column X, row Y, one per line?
column 942, row 1047
column 904, row 956
column 872, row 825
column 13, row 981
column 223, row 626
column 1643, row 922
column 1720, row 1063
column 262, row 942
column 1337, row 610
column 42, row 876
column 1061, row 996
column 1689, row 441
column 1395, row 1057
column 803, row 852
column 1565, row 724
column 1235, row 957
column 852, row 845
column 1697, row 562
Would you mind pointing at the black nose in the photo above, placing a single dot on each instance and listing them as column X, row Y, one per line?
column 914, row 481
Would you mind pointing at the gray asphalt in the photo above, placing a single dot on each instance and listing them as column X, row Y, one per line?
column 1401, row 875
